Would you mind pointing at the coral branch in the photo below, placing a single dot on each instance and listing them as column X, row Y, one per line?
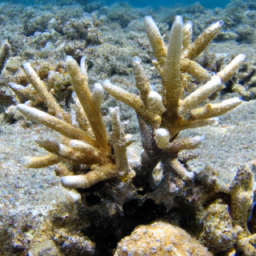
column 41, row 89
column 171, row 70
column 156, row 40
column 56, row 124
column 89, row 179
column 181, row 170
column 193, row 68
column 80, row 85
column 41, row 161
column 133, row 101
column 188, row 143
column 119, row 144
column 194, row 49
column 230, row 69
column 21, row 92
column 187, row 34
column 142, row 82
column 93, row 155
column 212, row 110
column 201, row 94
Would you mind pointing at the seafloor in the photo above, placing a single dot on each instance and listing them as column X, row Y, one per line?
column 37, row 215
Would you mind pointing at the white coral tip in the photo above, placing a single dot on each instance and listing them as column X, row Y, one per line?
column 74, row 181
column 217, row 24
column 162, row 137
column 69, row 58
column 198, row 139
column 188, row 25
column 16, row 87
column 26, row 160
column 190, row 175
column 149, row 20
column 155, row 102
column 106, row 82
column 136, row 60
column 178, row 20
column 98, row 93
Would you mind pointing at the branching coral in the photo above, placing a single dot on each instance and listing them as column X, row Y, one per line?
column 163, row 117
column 86, row 155
column 84, row 143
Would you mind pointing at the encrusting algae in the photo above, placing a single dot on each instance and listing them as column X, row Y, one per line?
column 86, row 154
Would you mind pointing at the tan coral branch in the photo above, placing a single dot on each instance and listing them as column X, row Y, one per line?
column 171, row 70
column 89, row 179
column 156, row 40
column 56, row 124
column 80, row 85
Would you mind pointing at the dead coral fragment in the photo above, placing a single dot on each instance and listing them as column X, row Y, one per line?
column 218, row 233
column 84, row 144
column 160, row 238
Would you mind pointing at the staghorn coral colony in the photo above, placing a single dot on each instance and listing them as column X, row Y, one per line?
column 122, row 202
column 86, row 155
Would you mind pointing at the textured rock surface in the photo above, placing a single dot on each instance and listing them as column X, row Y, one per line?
column 160, row 238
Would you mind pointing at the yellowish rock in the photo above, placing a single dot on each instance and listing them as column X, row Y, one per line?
column 162, row 239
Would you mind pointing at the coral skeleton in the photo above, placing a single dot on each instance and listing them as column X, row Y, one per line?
column 84, row 143
column 162, row 117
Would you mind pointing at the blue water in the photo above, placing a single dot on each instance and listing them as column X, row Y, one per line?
column 154, row 3
column 136, row 3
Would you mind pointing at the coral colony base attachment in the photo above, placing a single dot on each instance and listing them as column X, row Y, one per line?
column 86, row 155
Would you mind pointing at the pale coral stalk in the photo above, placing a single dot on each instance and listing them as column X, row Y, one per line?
column 41, row 89
column 156, row 40
column 193, row 68
column 79, row 82
column 133, row 101
column 41, row 161
column 230, row 69
column 89, row 179
column 217, row 109
column 119, row 144
column 81, row 118
column 187, row 143
column 187, row 34
column 199, row 95
column 56, row 124
column 202, row 41
column 91, row 153
column 171, row 70
column 21, row 92
column 142, row 82
column 181, row 170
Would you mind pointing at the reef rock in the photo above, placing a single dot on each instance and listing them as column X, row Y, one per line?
column 160, row 238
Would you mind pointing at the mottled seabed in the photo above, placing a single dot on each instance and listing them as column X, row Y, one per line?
column 39, row 216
